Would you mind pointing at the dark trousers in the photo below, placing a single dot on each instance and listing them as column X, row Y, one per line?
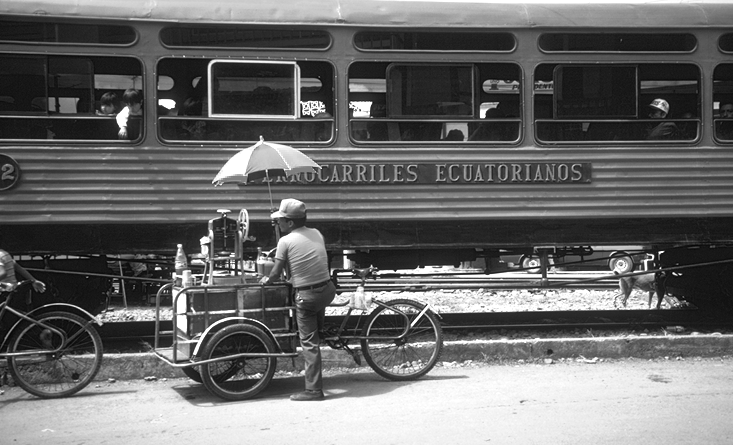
column 310, row 312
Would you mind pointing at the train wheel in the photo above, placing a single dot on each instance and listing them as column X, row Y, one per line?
column 621, row 263
column 245, row 376
column 62, row 373
column 405, row 358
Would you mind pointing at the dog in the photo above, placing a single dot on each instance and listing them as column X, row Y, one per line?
column 653, row 282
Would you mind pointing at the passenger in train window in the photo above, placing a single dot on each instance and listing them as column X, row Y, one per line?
column 489, row 131
column 108, row 104
column 724, row 128
column 454, row 135
column 323, row 129
column 688, row 130
column 133, row 100
column 659, row 109
column 195, row 130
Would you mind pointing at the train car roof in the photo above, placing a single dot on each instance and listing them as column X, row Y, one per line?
column 393, row 13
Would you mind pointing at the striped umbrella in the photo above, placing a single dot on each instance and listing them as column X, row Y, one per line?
column 264, row 160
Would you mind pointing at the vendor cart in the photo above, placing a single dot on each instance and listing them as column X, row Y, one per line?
column 228, row 330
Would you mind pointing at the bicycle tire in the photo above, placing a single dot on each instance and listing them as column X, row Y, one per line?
column 65, row 372
column 407, row 358
column 251, row 375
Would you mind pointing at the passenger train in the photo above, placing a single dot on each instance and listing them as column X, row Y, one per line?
column 447, row 131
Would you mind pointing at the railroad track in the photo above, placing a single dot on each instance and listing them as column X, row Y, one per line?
column 135, row 334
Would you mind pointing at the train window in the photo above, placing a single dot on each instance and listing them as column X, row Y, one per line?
column 617, row 42
column 253, row 89
column 280, row 101
column 60, row 97
column 434, row 41
column 410, row 103
column 244, row 37
column 49, row 32
column 726, row 43
column 617, row 102
column 723, row 102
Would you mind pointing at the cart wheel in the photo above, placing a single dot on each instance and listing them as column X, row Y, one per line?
column 396, row 357
column 192, row 372
column 245, row 376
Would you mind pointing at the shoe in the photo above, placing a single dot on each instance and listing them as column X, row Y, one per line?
column 307, row 395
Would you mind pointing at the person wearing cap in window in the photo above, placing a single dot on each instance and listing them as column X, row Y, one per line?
column 303, row 249
column 724, row 128
column 659, row 109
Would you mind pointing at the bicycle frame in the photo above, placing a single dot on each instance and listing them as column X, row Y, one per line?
column 27, row 316
column 342, row 328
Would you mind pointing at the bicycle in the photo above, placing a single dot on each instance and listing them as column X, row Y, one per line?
column 400, row 339
column 230, row 337
column 52, row 351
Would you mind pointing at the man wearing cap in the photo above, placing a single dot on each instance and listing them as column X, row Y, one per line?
column 724, row 128
column 304, row 251
column 658, row 109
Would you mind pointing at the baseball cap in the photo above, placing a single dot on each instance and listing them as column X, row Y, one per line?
column 660, row 104
column 290, row 208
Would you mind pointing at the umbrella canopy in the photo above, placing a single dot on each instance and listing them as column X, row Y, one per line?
column 264, row 160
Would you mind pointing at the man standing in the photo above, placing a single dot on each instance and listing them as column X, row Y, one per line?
column 9, row 269
column 304, row 251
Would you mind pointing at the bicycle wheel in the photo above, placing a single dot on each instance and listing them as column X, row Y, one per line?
column 403, row 358
column 59, row 374
column 247, row 376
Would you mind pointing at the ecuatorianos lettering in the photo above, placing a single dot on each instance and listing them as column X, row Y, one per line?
column 448, row 173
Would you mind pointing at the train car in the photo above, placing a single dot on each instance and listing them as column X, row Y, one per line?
column 447, row 131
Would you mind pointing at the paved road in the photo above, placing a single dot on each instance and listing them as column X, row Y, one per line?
column 616, row 402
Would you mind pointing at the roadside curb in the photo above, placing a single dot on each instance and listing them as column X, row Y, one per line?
column 142, row 365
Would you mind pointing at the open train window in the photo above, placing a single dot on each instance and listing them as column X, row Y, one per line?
column 723, row 102
column 238, row 101
column 59, row 97
column 617, row 103
column 412, row 103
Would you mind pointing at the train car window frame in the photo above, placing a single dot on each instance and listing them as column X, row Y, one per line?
column 65, row 32
column 443, row 41
column 58, row 100
column 680, row 88
column 725, row 43
column 491, row 117
column 185, row 116
column 215, row 87
column 617, row 42
column 723, row 98
column 231, row 33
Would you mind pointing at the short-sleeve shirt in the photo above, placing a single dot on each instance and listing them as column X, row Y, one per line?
column 7, row 262
column 305, row 252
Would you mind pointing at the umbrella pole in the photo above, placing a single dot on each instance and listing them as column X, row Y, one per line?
column 269, row 191
column 272, row 207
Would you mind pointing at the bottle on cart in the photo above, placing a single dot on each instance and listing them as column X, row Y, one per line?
column 181, row 265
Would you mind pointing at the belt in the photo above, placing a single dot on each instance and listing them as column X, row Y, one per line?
column 314, row 286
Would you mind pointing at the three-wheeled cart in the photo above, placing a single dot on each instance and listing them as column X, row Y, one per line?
column 228, row 330
column 228, row 337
